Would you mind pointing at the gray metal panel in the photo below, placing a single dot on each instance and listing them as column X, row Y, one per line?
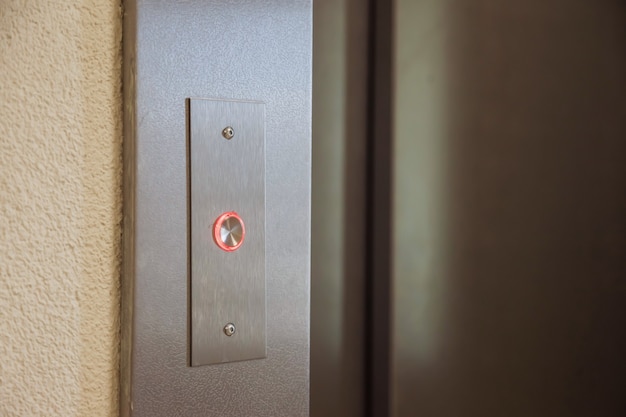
column 227, row 175
column 256, row 50
column 509, row 208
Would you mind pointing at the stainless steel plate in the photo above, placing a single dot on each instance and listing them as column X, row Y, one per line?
column 227, row 174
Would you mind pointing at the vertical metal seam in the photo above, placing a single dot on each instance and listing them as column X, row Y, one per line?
column 127, row 279
column 379, row 213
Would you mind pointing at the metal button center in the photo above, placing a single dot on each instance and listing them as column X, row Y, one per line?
column 231, row 232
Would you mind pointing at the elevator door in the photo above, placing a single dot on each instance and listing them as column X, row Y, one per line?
column 509, row 209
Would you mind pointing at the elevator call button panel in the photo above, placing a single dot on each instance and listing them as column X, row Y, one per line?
column 226, row 174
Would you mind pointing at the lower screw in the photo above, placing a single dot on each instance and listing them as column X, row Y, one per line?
column 228, row 133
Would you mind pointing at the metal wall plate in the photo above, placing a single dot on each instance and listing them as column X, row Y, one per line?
column 226, row 174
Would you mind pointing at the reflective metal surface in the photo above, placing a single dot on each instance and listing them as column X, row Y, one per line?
column 227, row 180
column 509, row 209
column 230, row 232
column 340, row 103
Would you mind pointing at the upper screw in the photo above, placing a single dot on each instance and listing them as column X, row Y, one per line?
column 228, row 133
column 229, row 329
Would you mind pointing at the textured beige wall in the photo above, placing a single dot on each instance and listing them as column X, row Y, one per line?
column 60, row 206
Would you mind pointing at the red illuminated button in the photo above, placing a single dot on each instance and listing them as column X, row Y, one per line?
column 229, row 231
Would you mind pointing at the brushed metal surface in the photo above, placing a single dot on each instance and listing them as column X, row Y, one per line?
column 247, row 49
column 227, row 176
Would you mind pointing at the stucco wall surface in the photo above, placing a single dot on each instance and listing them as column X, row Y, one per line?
column 60, row 207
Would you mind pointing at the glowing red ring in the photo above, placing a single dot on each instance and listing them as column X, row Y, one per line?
column 217, row 227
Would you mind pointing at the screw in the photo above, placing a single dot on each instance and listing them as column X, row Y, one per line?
column 228, row 133
column 229, row 329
